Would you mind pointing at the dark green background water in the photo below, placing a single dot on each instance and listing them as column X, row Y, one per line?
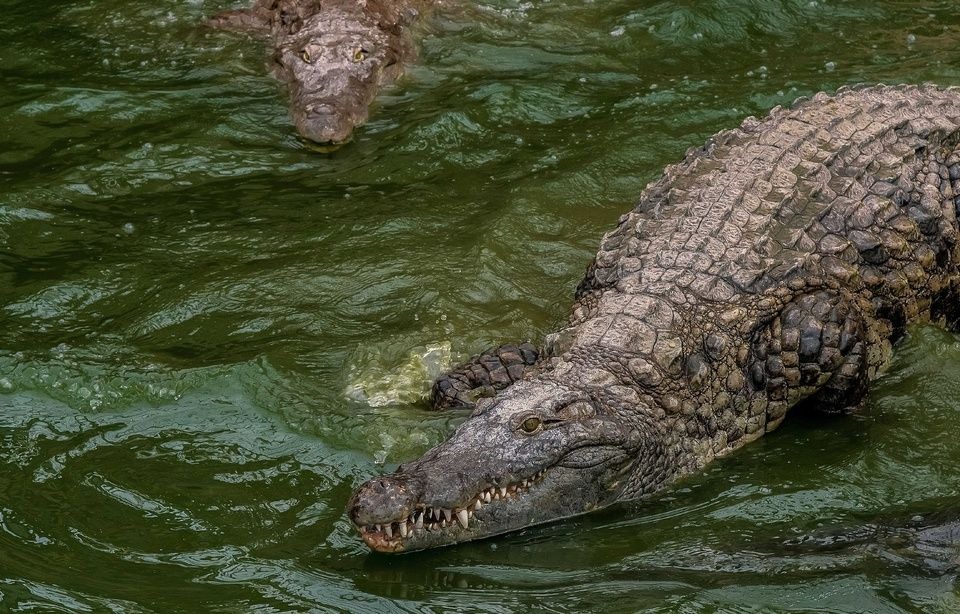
column 210, row 335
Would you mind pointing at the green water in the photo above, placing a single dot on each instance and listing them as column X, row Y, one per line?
column 211, row 335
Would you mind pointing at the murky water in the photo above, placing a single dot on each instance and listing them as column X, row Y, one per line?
column 211, row 335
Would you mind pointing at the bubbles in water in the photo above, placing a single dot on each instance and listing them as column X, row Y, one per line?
column 128, row 228
column 618, row 31
column 388, row 442
column 911, row 38
column 830, row 66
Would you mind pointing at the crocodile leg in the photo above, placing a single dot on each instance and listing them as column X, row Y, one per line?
column 821, row 349
column 483, row 375
column 946, row 308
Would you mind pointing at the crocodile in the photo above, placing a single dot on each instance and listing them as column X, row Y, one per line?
column 775, row 266
column 335, row 56
column 929, row 541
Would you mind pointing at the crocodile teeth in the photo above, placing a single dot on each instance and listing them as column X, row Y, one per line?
column 434, row 518
column 388, row 529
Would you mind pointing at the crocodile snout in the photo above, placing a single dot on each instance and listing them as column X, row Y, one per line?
column 384, row 499
column 322, row 124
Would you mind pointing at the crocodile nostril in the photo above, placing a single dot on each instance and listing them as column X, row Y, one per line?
column 320, row 109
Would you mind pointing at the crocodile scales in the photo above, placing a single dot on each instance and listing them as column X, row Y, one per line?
column 775, row 265
column 334, row 56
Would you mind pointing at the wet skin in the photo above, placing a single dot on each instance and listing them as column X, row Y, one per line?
column 334, row 58
column 774, row 266
column 334, row 74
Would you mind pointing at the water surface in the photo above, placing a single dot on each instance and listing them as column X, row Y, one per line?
column 211, row 335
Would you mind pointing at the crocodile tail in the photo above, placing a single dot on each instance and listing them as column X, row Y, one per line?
column 482, row 376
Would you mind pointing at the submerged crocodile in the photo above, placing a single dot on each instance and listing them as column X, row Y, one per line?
column 774, row 265
column 931, row 542
column 335, row 55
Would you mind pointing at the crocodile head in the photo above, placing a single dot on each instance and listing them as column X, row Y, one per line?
column 538, row 452
column 335, row 64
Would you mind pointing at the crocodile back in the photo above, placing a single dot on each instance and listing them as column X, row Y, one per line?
column 843, row 186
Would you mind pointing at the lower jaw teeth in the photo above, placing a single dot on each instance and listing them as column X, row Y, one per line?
column 434, row 518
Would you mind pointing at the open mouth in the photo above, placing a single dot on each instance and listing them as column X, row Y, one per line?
column 389, row 536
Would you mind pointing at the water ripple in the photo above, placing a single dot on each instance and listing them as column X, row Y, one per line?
column 187, row 294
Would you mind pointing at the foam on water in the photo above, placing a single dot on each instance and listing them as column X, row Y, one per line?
column 374, row 381
column 209, row 334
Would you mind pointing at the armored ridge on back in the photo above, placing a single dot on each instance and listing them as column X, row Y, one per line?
column 775, row 265
column 334, row 55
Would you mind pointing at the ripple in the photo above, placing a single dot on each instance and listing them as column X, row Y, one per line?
column 177, row 432
column 377, row 384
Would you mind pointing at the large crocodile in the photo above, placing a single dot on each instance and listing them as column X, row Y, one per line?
column 775, row 265
column 334, row 55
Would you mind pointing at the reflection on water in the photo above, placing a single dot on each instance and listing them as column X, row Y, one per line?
column 212, row 334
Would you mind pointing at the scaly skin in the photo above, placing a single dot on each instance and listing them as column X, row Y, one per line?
column 775, row 265
column 335, row 56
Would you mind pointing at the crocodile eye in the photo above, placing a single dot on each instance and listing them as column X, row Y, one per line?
column 305, row 56
column 359, row 55
column 531, row 425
